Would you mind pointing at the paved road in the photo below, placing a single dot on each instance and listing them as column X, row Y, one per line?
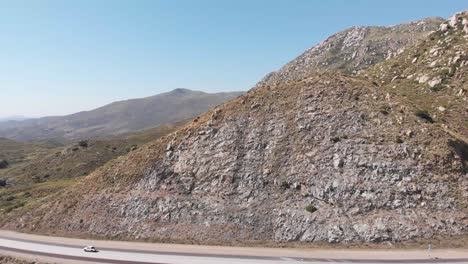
column 51, row 249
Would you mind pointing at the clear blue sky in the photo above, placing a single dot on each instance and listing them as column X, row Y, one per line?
column 59, row 57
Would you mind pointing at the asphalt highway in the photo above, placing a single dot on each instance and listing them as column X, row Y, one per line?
column 65, row 250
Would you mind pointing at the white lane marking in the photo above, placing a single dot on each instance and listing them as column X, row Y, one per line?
column 288, row 259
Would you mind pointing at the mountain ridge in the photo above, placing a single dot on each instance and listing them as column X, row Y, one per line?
column 120, row 117
column 354, row 49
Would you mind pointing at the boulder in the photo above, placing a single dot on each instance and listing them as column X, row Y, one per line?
column 435, row 81
column 338, row 162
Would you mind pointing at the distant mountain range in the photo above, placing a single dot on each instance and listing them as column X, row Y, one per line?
column 13, row 118
column 119, row 117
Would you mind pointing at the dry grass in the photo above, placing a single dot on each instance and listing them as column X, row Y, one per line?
column 13, row 260
column 49, row 171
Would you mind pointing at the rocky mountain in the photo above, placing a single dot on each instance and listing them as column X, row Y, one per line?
column 326, row 158
column 355, row 49
column 432, row 76
column 119, row 117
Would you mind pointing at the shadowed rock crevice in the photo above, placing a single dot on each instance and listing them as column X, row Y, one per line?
column 461, row 149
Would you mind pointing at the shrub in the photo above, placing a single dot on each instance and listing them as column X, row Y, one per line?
column 436, row 87
column 311, row 208
column 447, row 73
column 83, row 143
column 399, row 140
column 385, row 110
column 10, row 198
column 13, row 207
column 3, row 164
column 423, row 114
column 132, row 147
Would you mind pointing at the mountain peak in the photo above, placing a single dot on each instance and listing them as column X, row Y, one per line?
column 181, row 91
column 354, row 49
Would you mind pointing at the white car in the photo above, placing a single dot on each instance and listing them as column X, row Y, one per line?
column 90, row 249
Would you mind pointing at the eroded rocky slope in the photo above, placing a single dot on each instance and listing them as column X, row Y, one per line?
column 326, row 158
column 432, row 76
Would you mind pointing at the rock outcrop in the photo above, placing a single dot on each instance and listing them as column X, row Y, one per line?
column 354, row 50
column 432, row 75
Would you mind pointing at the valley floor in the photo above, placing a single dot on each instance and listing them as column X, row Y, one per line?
column 69, row 250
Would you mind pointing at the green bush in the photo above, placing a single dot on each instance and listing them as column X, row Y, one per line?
column 385, row 110
column 446, row 73
column 15, row 206
column 311, row 208
column 284, row 185
column 398, row 140
column 436, row 87
column 423, row 114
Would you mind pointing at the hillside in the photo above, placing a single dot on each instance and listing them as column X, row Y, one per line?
column 119, row 117
column 326, row 158
column 51, row 170
column 354, row 49
column 432, row 76
column 15, row 152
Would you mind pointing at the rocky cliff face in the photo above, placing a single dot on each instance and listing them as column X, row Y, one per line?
column 355, row 49
column 326, row 158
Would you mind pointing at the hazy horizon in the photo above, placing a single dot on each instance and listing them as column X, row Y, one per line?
column 62, row 57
